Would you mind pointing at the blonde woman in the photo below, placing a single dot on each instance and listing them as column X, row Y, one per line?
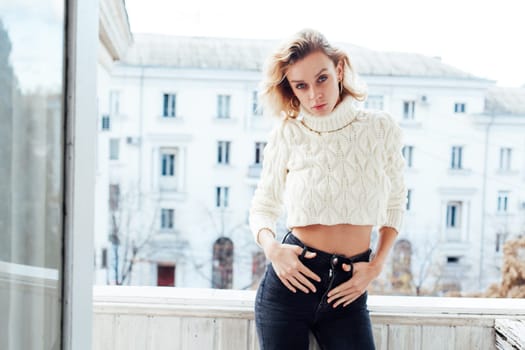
column 339, row 172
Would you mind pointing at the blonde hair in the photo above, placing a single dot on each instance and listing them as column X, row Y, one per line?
column 276, row 93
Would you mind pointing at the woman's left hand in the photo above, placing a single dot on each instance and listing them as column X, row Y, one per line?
column 347, row 292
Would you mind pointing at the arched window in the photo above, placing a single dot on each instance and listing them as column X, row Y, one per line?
column 222, row 266
column 401, row 266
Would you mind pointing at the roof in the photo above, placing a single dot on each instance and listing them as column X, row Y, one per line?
column 505, row 100
column 250, row 54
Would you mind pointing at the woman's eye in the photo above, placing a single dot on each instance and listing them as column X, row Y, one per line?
column 322, row 78
column 300, row 86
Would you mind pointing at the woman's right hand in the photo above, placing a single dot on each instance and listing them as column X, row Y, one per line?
column 290, row 270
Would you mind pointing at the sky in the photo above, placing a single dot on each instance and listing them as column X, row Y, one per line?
column 481, row 37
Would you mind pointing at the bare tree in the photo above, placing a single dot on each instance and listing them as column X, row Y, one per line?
column 132, row 218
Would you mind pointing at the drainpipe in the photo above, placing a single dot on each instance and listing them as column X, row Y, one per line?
column 483, row 200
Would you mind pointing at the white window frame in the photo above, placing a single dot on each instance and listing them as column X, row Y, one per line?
column 222, row 194
column 503, row 202
column 223, row 106
column 259, row 152
column 114, row 149
column 460, row 107
column 168, row 163
column 408, row 152
column 505, row 158
column 169, row 105
column 223, row 152
column 105, row 122
column 167, row 219
column 456, row 157
column 409, row 110
column 454, row 215
column 256, row 107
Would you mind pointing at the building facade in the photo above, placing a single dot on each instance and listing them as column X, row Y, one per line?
column 182, row 139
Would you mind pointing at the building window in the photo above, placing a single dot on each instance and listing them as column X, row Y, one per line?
column 503, row 200
column 223, row 106
column 374, row 102
column 114, row 197
column 259, row 152
column 114, row 149
column 166, row 275
column 169, row 105
column 256, row 108
column 166, row 219
column 500, row 240
column 409, row 199
column 407, row 154
column 258, row 267
column 409, row 110
column 459, row 107
column 505, row 155
column 222, row 265
column 453, row 214
column 168, row 164
column 114, row 103
column 221, row 199
column 452, row 259
column 104, row 258
column 223, row 152
column 106, row 122
column 456, row 157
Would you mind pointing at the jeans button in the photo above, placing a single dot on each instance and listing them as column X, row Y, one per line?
column 334, row 260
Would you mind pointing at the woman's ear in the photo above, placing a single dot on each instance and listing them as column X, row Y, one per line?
column 340, row 69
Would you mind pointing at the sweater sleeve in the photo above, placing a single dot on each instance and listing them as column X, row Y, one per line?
column 266, row 205
column 394, row 169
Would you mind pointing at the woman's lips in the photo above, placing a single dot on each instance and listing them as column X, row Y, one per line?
column 318, row 107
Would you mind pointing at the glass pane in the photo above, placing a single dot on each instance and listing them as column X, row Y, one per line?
column 31, row 150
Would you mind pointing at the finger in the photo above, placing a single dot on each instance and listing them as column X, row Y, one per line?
column 298, row 285
column 309, row 273
column 347, row 300
column 346, row 267
column 304, row 281
column 310, row 255
column 288, row 285
column 340, row 291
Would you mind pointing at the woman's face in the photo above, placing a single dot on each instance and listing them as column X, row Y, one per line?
column 315, row 82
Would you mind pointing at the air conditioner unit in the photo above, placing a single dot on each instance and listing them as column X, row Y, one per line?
column 132, row 140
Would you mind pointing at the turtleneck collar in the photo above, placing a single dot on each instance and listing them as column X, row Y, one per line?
column 342, row 114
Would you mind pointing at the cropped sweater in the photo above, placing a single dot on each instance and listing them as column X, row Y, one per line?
column 345, row 167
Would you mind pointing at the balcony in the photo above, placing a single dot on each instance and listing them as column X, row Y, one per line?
column 159, row 318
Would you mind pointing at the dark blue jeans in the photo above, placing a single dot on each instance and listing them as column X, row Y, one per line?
column 284, row 319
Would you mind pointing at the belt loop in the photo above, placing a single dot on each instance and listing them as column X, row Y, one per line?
column 305, row 249
column 286, row 236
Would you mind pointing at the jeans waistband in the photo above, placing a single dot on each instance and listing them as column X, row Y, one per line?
column 326, row 256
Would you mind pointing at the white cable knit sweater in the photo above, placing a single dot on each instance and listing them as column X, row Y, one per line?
column 353, row 175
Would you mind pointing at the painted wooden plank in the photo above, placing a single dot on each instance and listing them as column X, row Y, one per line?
column 131, row 332
column 404, row 337
column 103, row 332
column 198, row 333
column 232, row 334
column 253, row 340
column 437, row 337
column 474, row 338
column 165, row 333
column 380, row 332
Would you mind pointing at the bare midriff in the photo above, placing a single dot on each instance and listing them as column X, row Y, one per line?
column 342, row 239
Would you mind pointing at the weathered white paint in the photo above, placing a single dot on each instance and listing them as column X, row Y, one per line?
column 185, row 318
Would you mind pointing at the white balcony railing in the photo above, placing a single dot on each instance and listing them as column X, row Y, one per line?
column 159, row 318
